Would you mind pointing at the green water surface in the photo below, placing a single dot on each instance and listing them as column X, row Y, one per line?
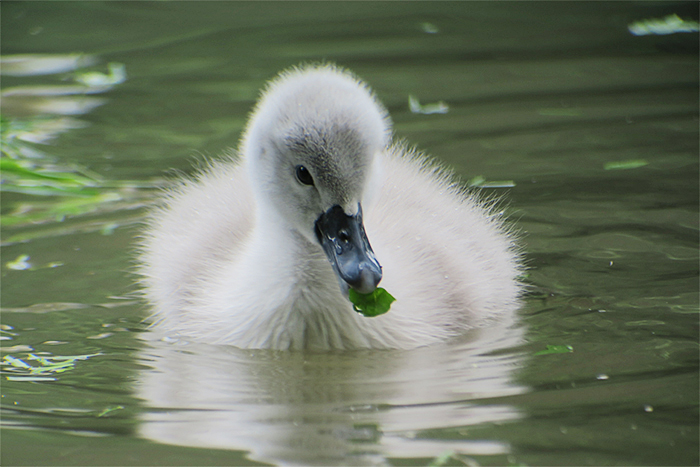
column 587, row 131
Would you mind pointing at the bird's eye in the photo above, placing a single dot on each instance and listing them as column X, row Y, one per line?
column 304, row 176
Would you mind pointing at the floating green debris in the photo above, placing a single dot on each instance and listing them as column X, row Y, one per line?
column 42, row 368
column 108, row 229
column 116, row 75
column 480, row 182
column 624, row 165
column 671, row 24
column 556, row 349
column 31, row 378
column 372, row 304
column 36, row 114
column 15, row 362
column 109, row 410
column 15, row 348
column 415, row 107
column 21, row 263
column 429, row 28
column 26, row 177
column 60, row 191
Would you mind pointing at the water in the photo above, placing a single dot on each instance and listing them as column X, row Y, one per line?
column 597, row 129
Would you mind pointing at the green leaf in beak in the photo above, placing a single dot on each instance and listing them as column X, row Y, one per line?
column 372, row 304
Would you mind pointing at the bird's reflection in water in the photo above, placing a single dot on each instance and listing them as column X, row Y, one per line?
column 331, row 408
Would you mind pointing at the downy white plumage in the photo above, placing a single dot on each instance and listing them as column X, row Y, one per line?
column 258, row 251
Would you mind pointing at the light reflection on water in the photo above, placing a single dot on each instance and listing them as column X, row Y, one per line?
column 332, row 408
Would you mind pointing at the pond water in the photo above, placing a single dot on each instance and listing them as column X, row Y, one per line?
column 588, row 132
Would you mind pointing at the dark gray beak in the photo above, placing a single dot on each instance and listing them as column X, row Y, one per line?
column 345, row 243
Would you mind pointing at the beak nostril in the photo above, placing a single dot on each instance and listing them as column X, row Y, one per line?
column 343, row 236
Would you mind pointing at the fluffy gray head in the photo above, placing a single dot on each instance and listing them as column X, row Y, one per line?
column 324, row 120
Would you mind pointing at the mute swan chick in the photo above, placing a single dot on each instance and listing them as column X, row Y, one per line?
column 259, row 251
